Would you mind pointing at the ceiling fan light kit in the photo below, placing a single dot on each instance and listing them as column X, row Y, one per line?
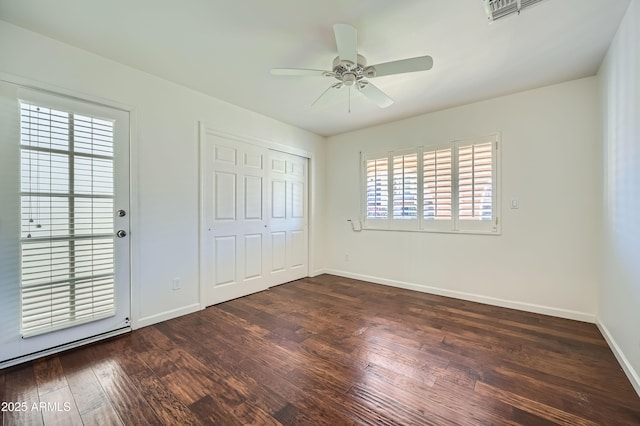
column 350, row 68
column 498, row 9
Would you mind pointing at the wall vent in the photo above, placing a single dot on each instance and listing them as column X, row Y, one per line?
column 498, row 9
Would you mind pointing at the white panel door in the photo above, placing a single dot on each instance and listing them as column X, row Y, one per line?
column 64, row 175
column 288, row 217
column 234, row 223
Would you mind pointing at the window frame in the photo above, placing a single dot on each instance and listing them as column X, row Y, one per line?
column 455, row 224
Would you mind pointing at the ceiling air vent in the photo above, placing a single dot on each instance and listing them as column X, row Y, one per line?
column 497, row 9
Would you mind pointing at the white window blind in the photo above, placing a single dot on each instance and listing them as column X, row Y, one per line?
column 67, row 226
column 446, row 188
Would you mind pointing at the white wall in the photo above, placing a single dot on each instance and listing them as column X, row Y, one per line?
column 546, row 258
column 165, row 153
column 619, row 295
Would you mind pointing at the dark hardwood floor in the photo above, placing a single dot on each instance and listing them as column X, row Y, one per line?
column 334, row 351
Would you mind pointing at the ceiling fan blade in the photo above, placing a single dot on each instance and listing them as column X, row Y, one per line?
column 347, row 42
column 421, row 63
column 324, row 96
column 374, row 94
column 300, row 72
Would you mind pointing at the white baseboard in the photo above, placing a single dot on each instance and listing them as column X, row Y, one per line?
column 318, row 272
column 167, row 315
column 512, row 304
column 632, row 375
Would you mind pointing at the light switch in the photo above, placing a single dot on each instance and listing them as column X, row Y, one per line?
column 515, row 204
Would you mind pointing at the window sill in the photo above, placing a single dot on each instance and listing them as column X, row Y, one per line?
column 434, row 231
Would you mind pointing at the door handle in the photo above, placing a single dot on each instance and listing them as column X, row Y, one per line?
column 121, row 233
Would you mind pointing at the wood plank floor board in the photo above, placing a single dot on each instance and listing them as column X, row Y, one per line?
column 313, row 406
column 581, row 401
column 92, row 402
column 210, row 411
column 477, row 340
column 460, row 399
column 58, row 408
column 129, row 402
column 612, row 398
column 406, row 411
column 411, row 337
column 524, row 418
column 286, row 414
column 21, row 388
column 329, row 350
column 101, row 416
column 326, row 373
column 532, row 406
column 252, row 344
column 218, row 356
column 166, row 405
column 396, row 349
column 254, row 416
column 190, row 379
column 49, row 375
column 318, row 348
column 459, row 376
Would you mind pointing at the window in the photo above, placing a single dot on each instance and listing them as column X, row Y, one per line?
column 67, row 225
column 448, row 188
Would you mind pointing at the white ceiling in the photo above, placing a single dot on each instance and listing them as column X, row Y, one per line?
column 226, row 48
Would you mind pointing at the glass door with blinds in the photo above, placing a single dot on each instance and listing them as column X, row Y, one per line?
column 65, row 214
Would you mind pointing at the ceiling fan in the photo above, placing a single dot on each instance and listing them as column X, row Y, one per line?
column 350, row 69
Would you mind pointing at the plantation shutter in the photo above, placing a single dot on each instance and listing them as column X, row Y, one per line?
column 405, row 186
column 67, row 225
column 377, row 187
column 475, row 185
column 437, row 187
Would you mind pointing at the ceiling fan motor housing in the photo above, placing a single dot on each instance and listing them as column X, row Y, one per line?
column 349, row 73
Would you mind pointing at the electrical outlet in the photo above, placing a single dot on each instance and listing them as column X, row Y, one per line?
column 176, row 283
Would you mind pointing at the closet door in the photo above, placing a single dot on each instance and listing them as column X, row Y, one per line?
column 288, row 217
column 234, row 223
column 253, row 218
